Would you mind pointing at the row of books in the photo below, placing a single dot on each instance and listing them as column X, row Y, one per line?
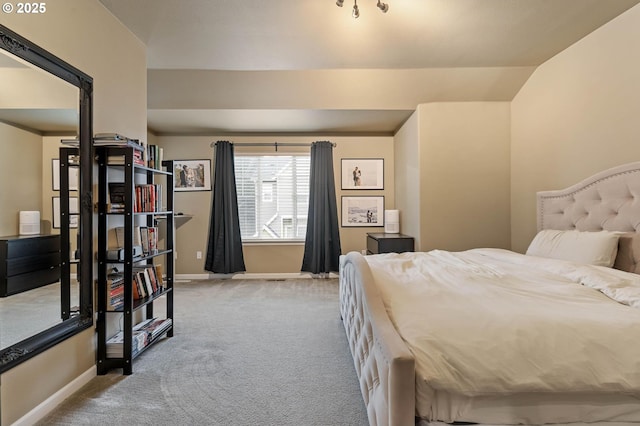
column 144, row 333
column 147, row 280
column 147, row 198
column 143, row 236
column 154, row 157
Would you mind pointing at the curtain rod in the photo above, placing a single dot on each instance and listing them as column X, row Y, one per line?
column 274, row 144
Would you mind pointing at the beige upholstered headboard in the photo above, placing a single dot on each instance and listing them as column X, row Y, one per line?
column 609, row 200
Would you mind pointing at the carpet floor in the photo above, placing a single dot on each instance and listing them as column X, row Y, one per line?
column 244, row 352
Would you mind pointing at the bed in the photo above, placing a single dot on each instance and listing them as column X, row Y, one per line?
column 490, row 336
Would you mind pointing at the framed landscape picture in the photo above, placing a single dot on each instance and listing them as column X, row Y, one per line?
column 362, row 211
column 192, row 175
column 362, row 173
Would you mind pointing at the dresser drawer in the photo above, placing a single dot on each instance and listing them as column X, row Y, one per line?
column 28, row 262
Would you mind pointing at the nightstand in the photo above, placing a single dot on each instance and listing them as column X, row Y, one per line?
column 388, row 243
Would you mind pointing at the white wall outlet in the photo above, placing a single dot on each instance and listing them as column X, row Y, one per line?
column 198, row 255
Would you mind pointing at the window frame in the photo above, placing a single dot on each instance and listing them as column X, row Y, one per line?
column 259, row 195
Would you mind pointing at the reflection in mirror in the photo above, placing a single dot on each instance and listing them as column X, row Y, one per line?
column 32, row 123
column 45, row 231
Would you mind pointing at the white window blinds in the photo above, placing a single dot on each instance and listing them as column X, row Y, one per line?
column 273, row 196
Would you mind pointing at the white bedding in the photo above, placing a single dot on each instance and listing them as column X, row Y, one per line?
column 493, row 322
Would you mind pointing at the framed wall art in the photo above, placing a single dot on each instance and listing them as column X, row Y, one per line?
column 362, row 211
column 73, row 212
column 362, row 173
column 192, row 175
column 55, row 176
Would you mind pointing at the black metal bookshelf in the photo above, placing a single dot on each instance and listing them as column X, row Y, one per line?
column 133, row 310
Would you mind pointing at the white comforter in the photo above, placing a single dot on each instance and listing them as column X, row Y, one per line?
column 491, row 322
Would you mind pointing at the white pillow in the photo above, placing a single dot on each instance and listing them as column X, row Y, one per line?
column 594, row 248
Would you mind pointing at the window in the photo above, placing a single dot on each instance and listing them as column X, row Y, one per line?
column 273, row 196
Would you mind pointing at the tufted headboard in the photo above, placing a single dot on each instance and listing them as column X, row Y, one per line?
column 609, row 200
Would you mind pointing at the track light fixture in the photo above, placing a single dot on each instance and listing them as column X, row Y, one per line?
column 356, row 11
column 384, row 7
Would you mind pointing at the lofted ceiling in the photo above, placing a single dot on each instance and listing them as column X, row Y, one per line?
column 306, row 66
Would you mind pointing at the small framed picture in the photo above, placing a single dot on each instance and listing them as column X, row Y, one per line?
column 55, row 176
column 73, row 212
column 192, row 175
column 362, row 211
column 362, row 173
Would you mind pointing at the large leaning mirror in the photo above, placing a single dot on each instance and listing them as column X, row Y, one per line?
column 45, row 230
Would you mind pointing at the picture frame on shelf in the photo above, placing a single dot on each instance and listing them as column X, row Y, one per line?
column 362, row 211
column 362, row 173
column 192, row 175
column 73, row 212
column 55, row 176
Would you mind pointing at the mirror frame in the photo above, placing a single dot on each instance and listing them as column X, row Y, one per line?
column 38, row 343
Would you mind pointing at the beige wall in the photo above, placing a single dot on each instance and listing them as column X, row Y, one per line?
column 191, row 235
column 577, row 115
column 463, row 150
column 84, row 34
column 406, row 143
column 26, row 146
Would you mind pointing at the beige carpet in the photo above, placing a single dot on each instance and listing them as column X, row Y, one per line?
column 245, row 352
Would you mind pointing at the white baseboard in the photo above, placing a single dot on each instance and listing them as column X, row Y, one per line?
column 54, row 400
column 247, row 276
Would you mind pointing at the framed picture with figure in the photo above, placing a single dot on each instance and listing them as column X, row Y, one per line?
column 362, row 211
column 362, row 173
column 192, row 175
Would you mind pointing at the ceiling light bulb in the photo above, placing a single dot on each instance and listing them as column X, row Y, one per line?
column 356, row 11
column 384, row 7
column 339, row 3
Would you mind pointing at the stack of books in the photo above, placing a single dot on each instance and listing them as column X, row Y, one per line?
column 115, row 292
column 115, row 139
column 143, row 334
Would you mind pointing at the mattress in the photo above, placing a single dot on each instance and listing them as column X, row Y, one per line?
column 492, row 329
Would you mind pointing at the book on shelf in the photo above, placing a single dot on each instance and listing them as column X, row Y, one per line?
column 120, row 236
column 118, row 160
column 115, row 292
column 116, row 139
column 149, row 238
column 148, row 198
column 154, row 157
column 117, row 192
column 75, row 143
column 144, row 281
column 159, row 277
column 144, row 333
column 156, row 327
column 115, row 208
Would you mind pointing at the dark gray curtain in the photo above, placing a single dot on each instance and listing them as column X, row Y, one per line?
column 224, row 248
column 322, row 241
